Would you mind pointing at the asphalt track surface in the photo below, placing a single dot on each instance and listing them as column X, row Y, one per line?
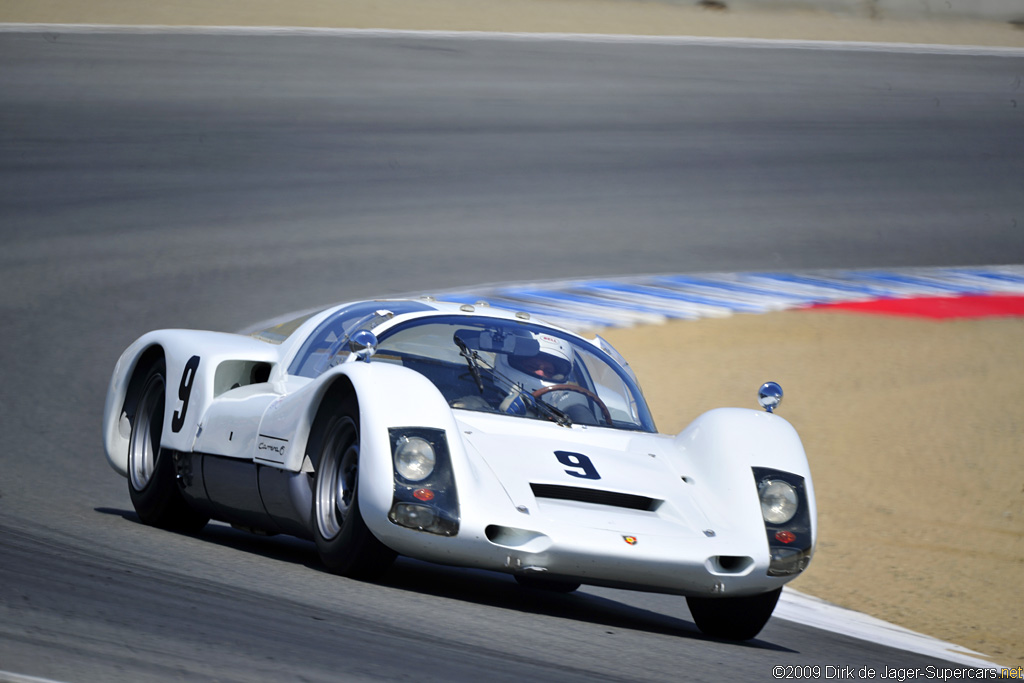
column 213, row 181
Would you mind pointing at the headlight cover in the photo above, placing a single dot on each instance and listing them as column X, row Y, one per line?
column 414, row 458
column 779, row 500
column 785, row 509
column 425, row 497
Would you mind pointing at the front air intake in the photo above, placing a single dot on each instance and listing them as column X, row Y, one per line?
column 730, row 564
column 596, row 497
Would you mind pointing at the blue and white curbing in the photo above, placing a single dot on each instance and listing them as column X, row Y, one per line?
column 653, row 299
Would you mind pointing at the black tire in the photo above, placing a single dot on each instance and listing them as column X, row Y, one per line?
column 733, row 618
column 551, row 585
column 344, row 542
column 152, row 481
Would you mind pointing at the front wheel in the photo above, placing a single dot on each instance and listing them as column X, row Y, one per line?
column 733, row 618
column 152, row 479
column 345, row 544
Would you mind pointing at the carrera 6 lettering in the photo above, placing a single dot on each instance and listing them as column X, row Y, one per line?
column 578, row 461
column 188, row 377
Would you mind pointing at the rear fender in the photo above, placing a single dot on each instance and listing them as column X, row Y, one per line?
column 192, row 361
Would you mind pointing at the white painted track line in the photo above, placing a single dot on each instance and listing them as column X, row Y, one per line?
column 8, row 677
column 760, row 43
column 816, row 613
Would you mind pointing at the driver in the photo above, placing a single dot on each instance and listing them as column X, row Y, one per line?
column 551, row 365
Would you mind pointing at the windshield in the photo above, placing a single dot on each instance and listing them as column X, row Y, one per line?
column 520, row 369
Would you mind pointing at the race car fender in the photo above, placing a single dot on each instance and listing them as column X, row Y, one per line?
column 389, row 396
column 721, row 447
column 394, row 397
column 198, row 366
column 400, row 393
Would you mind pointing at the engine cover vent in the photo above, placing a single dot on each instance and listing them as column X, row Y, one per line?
column 595, row 496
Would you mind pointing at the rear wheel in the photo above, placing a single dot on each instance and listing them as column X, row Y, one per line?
column 152, row 480
column 345, row 544
column 733, row 618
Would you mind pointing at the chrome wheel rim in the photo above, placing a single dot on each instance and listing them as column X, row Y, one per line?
column 144, row 445
column 336, row 483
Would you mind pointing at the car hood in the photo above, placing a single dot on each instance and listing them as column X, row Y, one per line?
column 600, row 478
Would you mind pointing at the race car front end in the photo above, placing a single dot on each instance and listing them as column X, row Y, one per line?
column 589, row 505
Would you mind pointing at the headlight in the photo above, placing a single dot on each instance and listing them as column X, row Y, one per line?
column 414, row 458
column 779, row 501
column 426, row 498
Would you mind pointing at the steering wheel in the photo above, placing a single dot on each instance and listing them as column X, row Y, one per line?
column 579, row 390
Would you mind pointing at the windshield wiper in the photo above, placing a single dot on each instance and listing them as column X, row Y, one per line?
column 556, row 414
column 475, row 363
column 471, row 359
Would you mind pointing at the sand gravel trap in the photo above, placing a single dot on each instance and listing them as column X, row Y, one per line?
column 914, row 430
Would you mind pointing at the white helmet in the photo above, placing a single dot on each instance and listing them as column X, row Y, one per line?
column 550, row 365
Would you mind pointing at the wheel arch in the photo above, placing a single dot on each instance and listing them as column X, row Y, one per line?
column 379, row 396
column 336, row 396
column 145, row 361
column 126, row 387
column 354, row 551
column 722, row 445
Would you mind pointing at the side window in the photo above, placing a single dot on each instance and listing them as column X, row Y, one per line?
column 611, row 388
column 316, row 347
column 311, row 359
column 278, row 333
column 338, row 352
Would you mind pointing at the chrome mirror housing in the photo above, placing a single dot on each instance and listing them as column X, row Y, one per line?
column 769, row 396
column 363, row 345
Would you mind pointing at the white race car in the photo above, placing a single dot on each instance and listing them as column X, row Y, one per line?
column 464, row 435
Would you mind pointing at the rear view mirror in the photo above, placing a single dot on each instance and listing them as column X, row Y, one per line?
column 494, row 341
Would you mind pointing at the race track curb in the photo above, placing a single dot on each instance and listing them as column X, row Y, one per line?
column 624, row 302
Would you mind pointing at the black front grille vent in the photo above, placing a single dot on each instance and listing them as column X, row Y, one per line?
column 595, row 496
